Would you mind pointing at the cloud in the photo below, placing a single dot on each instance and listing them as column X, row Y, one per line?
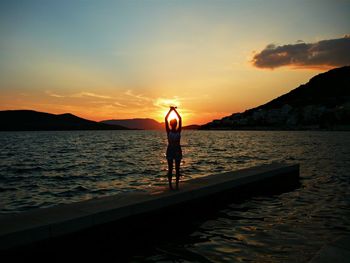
column 116, row 103
column 139, row 97
column 90, row 94
column 325, row 53
column 165, row 102
column 51, row 94
column 78, row 95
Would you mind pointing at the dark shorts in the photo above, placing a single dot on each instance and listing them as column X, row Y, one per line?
column 174, row 152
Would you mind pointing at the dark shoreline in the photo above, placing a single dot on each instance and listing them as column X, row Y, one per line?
column 274, row 129
column 217, row 129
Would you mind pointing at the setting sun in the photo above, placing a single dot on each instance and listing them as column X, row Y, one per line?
column 173, row 116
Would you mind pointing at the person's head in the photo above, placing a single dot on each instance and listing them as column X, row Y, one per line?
column 173, row 124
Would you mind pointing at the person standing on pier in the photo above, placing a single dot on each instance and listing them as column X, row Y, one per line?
column 174, row 151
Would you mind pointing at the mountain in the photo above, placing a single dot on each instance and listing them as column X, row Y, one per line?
column 29, row 120
column 323, row 102
column 143, row 124
column 191, row 127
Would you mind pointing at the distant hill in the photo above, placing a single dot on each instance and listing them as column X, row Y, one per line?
column 323, row 102
column 192, row 127
column 145, row 124
column 29, row 120
column 139, row 123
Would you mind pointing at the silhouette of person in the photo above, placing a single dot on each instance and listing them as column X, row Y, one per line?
column 173, row 151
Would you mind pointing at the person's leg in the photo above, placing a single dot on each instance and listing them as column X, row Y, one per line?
column 170, row 172
column 177, row 168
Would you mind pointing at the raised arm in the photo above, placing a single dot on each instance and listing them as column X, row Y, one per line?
column 180, row 120
column 166, row 121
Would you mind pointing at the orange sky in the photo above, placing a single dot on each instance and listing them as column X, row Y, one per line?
column 125, row 59
column 199, row 104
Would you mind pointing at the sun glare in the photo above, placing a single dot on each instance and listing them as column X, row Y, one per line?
column 173, row 116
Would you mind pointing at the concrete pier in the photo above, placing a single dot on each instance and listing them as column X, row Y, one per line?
column 22, row 229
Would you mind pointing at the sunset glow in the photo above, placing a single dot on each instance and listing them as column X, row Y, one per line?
column 173, row 116
column 133, row 59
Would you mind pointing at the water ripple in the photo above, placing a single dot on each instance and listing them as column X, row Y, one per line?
column 43, row 169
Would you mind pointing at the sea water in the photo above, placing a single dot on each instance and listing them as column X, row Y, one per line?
column 43, row 169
